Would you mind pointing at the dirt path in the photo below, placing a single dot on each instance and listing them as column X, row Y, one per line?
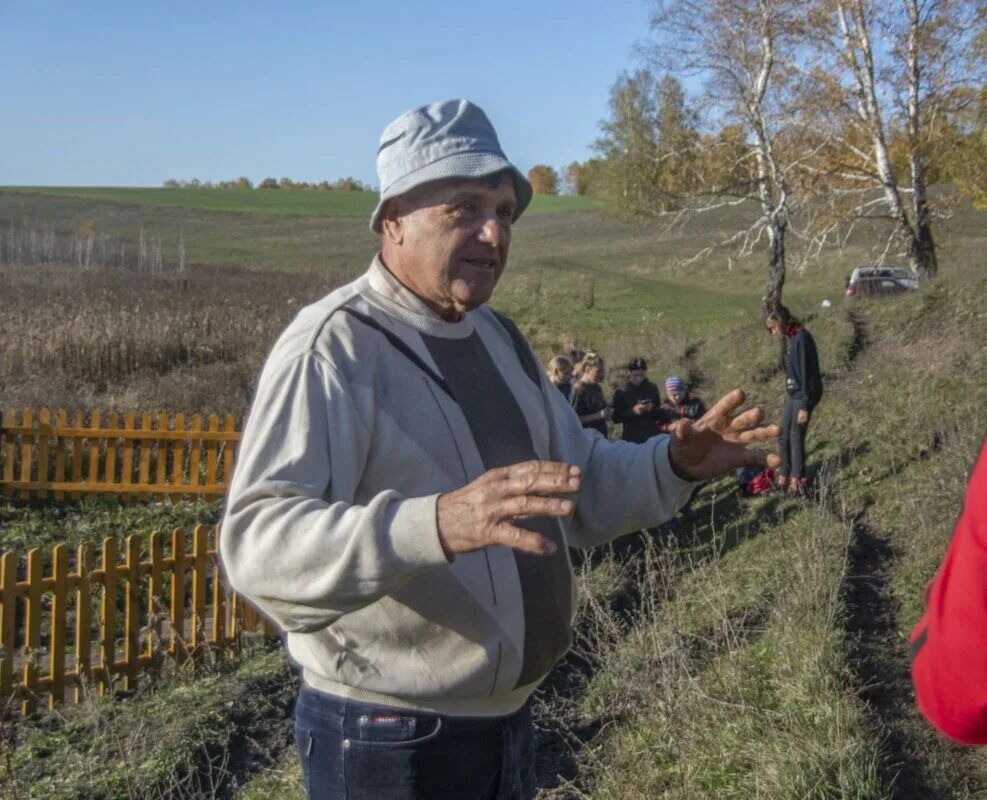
column 876, row 652
column 878, row 659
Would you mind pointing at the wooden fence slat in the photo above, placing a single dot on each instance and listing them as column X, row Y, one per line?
column 44, row 420
column 61, row 420
column 177, row 647
column 228, row 451
column 127, row 473
column 155, row 592
column 95, row 425
column 145, row 456
column 235, row 625
column 32, row 629
column 195, row 451
column 178, row 455
column 110, row 470
column 8, row 621
column 9, row 452
column 108, row 615
column 34, row 576
column 212, row 451
column 26, row 450
column 29, row 687
column 77, row 455
column 59, row 611
column 83, row 619
column 200, row 561
column 161, row 468
column 218, row 598
column 132, row 612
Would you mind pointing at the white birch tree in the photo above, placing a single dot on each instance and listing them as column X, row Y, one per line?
column 742, row 51
column 895, row 73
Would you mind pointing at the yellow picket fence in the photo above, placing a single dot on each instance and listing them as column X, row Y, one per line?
column 46, row 454
column 86, row 625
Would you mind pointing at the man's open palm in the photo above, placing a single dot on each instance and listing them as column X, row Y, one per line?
column 718, row 442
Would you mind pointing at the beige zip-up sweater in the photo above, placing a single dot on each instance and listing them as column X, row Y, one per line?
column 330, row 525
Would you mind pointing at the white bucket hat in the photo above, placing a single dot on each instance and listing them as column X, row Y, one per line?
column 453, row 139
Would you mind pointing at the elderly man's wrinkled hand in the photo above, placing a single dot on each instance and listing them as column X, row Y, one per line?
column 719, row 442
column 482, row 513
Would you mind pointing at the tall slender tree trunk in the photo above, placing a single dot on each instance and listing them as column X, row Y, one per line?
column 922, row 250
column 771, row 184
column 776, row 264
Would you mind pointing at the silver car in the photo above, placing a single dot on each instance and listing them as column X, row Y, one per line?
column 880, row 281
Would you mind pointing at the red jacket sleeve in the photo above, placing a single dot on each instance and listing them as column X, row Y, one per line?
column 949, row 644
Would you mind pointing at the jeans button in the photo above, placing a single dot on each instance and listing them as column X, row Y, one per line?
column 346, row 744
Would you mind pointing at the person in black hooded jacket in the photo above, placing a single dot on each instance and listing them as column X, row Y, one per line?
column 636, row 404
column 804, row 391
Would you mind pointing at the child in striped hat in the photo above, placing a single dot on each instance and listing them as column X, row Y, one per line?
column 681, row 404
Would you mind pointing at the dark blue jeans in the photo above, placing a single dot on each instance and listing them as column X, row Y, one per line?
column 358, row 751
column 791, row 443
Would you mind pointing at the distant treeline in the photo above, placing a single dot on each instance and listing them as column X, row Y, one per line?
column 85, row 247
column 341, row 185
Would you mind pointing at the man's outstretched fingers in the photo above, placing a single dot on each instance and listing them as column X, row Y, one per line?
column 544, row 477
column 760, row 434
column 528, row 505
column 727, row 404
column 748, row 419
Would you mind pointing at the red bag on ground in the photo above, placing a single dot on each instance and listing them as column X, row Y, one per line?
column 762, row 482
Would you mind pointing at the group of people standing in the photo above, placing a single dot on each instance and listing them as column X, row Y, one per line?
column 637, row 405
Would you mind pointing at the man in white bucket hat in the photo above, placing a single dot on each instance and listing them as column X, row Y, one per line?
column 409, row 481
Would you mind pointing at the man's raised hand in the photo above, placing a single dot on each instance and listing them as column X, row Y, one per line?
column 482, row 513
column 718, row 442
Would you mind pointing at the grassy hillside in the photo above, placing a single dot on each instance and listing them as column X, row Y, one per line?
column 260, row 201
column 757, row 652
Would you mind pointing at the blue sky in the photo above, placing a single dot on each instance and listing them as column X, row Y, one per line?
column 132, row 93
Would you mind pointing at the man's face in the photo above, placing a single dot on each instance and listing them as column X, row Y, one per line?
column 677, row 396
column 774, row 327
column 636, row 376
column 448, row 240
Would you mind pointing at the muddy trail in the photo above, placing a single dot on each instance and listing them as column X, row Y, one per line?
column 876, row 653
column 878, row 660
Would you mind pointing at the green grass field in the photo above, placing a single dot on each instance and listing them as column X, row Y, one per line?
column 758, row 652
column 261, row 201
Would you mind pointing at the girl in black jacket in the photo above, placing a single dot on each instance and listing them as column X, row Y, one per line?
column 804, row 390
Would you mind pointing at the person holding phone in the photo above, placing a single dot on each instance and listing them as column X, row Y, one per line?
column 636, row 404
